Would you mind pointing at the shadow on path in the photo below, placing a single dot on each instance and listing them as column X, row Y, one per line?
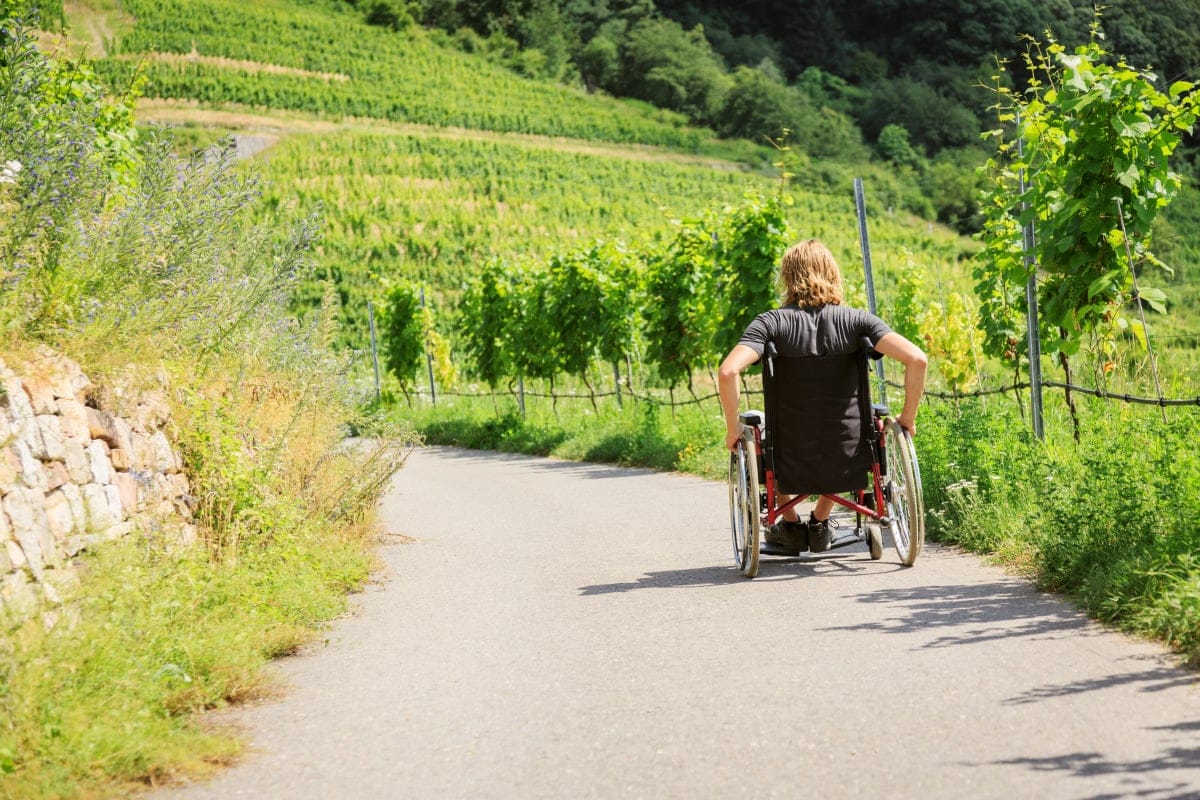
column 971, row 613
column 771, row 568
column 669, row 579
column 1155, row 679
column 1143, row 776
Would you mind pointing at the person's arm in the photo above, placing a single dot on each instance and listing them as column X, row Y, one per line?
column 738, row 359
column 915, row 364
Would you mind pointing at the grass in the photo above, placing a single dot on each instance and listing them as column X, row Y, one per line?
column 105, row 706
column 639, row 434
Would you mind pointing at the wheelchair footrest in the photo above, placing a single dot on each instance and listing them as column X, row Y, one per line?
column 768, row 549
column 847, row 539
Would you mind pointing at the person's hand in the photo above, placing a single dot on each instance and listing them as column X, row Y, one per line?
column 908, row 422
column 731, row 439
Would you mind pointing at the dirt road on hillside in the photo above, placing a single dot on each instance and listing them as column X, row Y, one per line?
column 558, row 630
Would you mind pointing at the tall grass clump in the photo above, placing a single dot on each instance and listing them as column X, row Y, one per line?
column 147, row 271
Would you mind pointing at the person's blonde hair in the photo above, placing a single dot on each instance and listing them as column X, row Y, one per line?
column 810, row 275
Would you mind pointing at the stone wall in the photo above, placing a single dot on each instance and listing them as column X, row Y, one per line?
column 78, row 466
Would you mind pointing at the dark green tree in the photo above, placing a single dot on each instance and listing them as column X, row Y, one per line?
column 673, row 68
column 759, row 106
column 599, row 63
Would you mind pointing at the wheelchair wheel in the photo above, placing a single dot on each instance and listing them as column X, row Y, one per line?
column 744, row 521
column 905, row 504
column 875, row 542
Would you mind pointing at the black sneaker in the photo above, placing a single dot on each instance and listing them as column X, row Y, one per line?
column 820, row 534
column 787, row 538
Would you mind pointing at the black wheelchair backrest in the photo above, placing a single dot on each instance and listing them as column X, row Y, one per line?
column 820, row 436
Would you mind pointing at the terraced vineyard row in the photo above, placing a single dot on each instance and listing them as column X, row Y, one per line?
column 435, row 210
column 403, row 77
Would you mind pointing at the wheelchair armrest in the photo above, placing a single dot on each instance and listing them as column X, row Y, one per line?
column 751, row 418
column 868, row 349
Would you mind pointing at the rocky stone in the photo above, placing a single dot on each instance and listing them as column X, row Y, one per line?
column 41, row 394
column 75, row 459
column 112, row 429
column 26, row 509
column 10, row 469
column 118, row 531
column 63, row 377
column 96, row 508
column 120, row 459
column 161, row 486
column 73, row 475
column 130, row 491
column 74, row 497
column 56, row 475
column 141, row 457
column 29, row 432
column 51, row 593
column 16, row 399
column 124, row 434
column 74, row 419
column 17, row 596
column 52, row 436
column 30, row 472
column 164, row 454
column 181, row 487
column 98, row 461
column 60, row 516
column 77, row 544
column 115, row 506
column 15, row 554
column 152, row 412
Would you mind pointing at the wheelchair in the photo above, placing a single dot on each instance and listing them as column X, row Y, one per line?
column 822, row 435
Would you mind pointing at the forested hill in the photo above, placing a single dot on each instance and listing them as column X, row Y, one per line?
column 919, row 63
column 915, row 63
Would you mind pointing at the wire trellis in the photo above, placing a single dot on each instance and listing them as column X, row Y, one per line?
column 1102, row 394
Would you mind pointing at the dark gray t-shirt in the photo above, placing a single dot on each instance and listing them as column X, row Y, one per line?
column 820, row 331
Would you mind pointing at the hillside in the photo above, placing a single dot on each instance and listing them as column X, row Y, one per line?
column 426, row 162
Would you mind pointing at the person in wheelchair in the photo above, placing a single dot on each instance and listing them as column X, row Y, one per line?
column 813, row 322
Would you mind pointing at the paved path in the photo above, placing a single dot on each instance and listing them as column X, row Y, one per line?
column 559, row 630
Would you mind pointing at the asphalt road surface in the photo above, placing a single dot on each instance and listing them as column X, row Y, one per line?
column 560, row 630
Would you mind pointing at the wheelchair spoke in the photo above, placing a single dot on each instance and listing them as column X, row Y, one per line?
column 743, row 505
column 905, row 504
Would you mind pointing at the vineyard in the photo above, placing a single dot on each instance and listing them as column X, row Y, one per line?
column 403, row 77
column 433, row 210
